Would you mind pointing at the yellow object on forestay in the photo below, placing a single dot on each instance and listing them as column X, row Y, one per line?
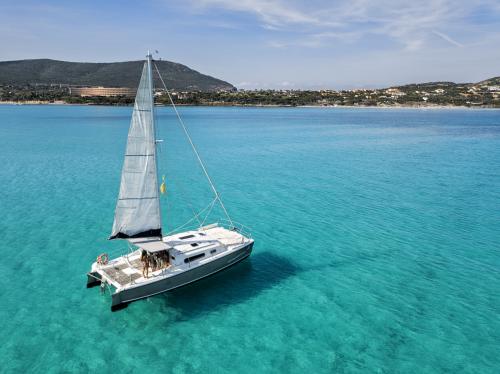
column 163, row 186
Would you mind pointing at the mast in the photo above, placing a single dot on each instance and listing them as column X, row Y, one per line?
column 149, row 57
column 137, row 212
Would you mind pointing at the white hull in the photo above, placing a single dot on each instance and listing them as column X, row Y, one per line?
column 128, row 289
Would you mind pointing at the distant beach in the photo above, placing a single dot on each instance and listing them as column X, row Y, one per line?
column 429, row 106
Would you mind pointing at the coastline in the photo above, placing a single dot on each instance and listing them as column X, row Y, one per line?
column 424, row 107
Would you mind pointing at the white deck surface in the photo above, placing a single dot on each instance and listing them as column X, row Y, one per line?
column 126, row 270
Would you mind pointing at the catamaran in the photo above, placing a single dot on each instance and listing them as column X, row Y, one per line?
column 155, row 263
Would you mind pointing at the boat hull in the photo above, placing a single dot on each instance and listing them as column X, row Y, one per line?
column 122, row 298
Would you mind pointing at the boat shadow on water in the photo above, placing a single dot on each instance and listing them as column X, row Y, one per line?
column 258, row 273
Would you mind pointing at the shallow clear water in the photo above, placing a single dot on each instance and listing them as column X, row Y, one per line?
column 377, row 242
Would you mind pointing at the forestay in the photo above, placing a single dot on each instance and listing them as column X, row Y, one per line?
column 137, row 211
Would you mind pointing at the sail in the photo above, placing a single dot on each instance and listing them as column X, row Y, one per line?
column 137, row 211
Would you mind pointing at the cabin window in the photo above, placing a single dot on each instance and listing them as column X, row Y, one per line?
column 186, row 237
column 213, row 251
column 193, row 258
column 202, row 234
column 194, row 244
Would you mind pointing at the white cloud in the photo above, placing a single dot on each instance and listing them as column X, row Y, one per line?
column 274, row 12
column 412, row 24
column 447, row 38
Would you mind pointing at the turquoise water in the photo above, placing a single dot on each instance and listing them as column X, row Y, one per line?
column 377, row 242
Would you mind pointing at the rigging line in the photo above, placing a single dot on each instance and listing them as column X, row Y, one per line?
column 217, row 196
column 208, row 213
column 169, row 210
column 191, row 219
column 185, row 195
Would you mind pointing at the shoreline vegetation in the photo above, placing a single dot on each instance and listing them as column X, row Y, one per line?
column 426, row 106
column 485, row 94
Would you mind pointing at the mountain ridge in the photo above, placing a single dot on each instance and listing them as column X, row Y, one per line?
column 437, row 84
column 107, row 74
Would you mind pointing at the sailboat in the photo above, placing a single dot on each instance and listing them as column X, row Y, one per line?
column 155, row 263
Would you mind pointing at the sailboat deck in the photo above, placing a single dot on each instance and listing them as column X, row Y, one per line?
column 122, row 273
column 204, row 244
column 120, row 277
column 128, row 269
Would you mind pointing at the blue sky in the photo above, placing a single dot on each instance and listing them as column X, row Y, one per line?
column 269, row 44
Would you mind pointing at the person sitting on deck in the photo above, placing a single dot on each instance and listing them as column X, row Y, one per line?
column 166, row 262
column 152, row 259
column 145, row 263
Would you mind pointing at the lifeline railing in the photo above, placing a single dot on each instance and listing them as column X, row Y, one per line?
column 238, row 227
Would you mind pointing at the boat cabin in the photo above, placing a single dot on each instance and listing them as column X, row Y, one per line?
column 186, row 248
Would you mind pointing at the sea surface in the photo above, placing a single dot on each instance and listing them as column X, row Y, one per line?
column 377, row 242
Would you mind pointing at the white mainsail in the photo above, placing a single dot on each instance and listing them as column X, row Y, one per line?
column 137, row 211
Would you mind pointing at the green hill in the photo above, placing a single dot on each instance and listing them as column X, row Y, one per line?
column 447, row 85
column 114, row 74
column 491, row 82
